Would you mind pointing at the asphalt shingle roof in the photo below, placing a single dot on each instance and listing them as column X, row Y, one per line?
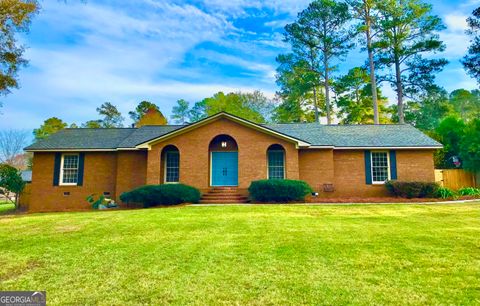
column 83, row 139
column 391, row 135
column 146, row 133
column 315, row 134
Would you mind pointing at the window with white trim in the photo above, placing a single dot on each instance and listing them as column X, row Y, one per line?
column 380, row 167
column 69, row 169
column 276, row 163
column 172, row 166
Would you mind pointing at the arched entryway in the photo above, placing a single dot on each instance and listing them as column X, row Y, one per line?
column 223, row 150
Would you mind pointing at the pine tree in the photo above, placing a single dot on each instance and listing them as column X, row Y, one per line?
column 471, row 61
column 407, row 30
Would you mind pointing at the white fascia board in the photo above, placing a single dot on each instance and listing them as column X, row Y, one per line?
column 82, row 150
column 71, row 150
column 391, row 148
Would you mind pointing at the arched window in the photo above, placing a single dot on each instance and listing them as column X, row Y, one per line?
column 171, row 157
column 276, row 162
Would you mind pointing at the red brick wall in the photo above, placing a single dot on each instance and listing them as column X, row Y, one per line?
column 350, row 176
column 121, row 171
column 415, row 165
column 131, row 171
column 194, row 146
column 99, row 176
column 316, row 167
column 349, row 165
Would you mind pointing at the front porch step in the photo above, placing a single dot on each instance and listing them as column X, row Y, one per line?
column 223, row 191
column 227, row 195
column 224, row 188
column 222, row 201
column 223, row 196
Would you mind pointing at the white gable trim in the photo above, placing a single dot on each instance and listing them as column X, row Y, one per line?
column 148, row 144
column 80, row 150
column 71, row 150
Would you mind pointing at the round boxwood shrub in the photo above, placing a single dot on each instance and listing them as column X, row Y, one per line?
column 412, row 189
column 279, row 190
column 168, row 194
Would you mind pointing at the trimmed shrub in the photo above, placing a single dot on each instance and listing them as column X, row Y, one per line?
column 446, row 193
column 168, row 194
column 412, row 189
column 279, row 190
column 469, row 191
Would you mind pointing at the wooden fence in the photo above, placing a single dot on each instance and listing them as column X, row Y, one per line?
column 455, row 178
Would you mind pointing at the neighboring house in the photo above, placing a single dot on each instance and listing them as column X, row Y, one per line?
column 225, row 150
column 26, row 176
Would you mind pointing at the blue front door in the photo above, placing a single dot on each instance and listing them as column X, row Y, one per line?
column 224, row 168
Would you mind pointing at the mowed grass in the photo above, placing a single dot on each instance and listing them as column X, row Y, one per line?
column 270, row 254
column 6, row 207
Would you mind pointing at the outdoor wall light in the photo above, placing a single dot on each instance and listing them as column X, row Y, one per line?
column 224, row 144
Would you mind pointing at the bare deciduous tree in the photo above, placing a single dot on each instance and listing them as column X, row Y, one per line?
column 12, row 143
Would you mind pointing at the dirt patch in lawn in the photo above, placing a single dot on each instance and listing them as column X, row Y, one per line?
column 16, row 270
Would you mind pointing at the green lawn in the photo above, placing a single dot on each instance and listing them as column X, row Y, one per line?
column 6, row 207
column 370, row 254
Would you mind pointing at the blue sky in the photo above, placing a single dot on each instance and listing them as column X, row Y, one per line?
column 84, row 54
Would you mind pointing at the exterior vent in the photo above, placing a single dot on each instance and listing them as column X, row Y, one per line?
column 328, row 187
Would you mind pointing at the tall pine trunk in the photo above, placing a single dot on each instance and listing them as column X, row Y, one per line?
column 398, row 84
column 317, row 116
column 315, row 102
column 327, row 90
column 373, row 81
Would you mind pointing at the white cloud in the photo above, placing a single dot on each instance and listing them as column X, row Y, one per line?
column 116, row 56
column 456, row 22
column 455, row 77
column 120, row 58
column 239, row 6
column 260, row 70
column 455, row 38
column 82, row 55
column 277, row 23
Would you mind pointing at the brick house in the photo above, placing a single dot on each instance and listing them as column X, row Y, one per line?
column 225, row 150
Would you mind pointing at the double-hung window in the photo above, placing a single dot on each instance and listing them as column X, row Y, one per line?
column 172, row 166
column 380, row 162
column 69, row 169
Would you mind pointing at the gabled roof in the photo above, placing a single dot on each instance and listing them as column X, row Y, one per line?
column 304, row 135
column 262, row 128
